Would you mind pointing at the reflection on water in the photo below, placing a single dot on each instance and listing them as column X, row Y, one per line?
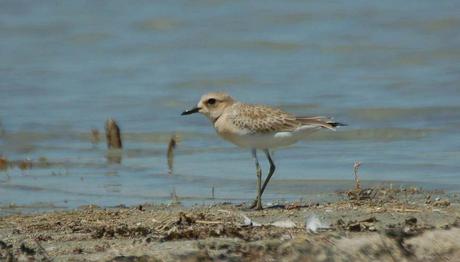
column 389, row 71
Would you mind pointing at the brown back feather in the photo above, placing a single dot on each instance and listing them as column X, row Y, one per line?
column 263, row 119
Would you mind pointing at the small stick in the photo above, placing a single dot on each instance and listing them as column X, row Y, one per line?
column 174, row 197
column 405, row 210
column 170, row 154
column 212, row 192
column 405, row 199
column 43, row 250
column 355, row 170
column 208, row 222
column 113, row 134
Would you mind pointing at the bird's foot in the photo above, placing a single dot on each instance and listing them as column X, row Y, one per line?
column 256, row 205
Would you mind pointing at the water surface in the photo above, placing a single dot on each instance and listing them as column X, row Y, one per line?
column 390, row 71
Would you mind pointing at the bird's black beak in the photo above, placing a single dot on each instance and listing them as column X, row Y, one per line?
column 191, row 111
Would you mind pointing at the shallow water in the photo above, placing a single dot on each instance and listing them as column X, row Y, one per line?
column 390, row 71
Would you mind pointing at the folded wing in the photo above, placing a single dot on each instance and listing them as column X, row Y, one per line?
column 263, row 119
column 320, row 121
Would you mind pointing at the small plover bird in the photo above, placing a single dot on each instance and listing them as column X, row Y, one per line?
column 257, row 127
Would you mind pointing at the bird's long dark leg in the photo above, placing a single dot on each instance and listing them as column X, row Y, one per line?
column 270, row 174
column 258, row 202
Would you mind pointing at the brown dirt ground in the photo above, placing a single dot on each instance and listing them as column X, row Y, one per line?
column 391, row 225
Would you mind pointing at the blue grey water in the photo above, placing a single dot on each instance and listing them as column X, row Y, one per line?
column 390, row 70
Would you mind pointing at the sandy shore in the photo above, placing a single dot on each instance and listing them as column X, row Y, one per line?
column 392, row 225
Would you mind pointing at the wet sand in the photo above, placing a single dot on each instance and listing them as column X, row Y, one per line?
column 391, row 225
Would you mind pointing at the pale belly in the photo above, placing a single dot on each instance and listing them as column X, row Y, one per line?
column 266, row 141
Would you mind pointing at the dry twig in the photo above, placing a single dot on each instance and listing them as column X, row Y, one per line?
column 170, row 154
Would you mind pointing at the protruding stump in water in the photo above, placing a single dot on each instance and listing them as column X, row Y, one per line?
column 114, row 144
column 170, row 154
column 113, row 135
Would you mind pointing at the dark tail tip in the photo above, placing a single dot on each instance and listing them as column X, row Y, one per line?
column 336, row 124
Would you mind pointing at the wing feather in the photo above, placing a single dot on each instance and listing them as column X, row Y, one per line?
column 264, row 119
column 322, row 121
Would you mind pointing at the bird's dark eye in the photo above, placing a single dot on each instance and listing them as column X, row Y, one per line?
column 211, row 101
